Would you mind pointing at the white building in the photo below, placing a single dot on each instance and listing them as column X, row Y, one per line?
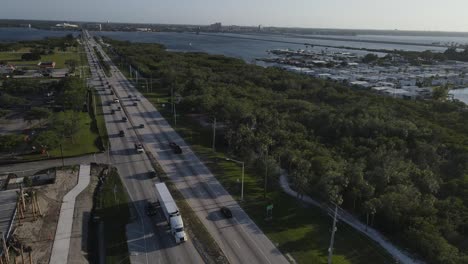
column 67, row 25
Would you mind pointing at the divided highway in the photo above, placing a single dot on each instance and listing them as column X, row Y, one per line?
column 239, row 237
column 148, row 239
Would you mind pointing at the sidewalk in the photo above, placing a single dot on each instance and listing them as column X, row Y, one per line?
column 64, row 227
column 353, row 222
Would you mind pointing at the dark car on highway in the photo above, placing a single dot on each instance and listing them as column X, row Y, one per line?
column 226, row 212
column 121, row 133
column 151, row 209
column 124, row 119
column 176, row 148
column 152, row 174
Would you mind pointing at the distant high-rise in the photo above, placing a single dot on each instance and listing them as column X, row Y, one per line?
column 216, row 26
column 100, row 27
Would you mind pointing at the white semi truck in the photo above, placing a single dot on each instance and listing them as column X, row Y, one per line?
column 171, row 212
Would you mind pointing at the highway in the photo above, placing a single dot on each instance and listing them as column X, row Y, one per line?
column 239, row 237
column 148, row 238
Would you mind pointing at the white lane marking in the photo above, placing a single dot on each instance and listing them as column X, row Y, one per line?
column 251, row 239
column 235, row 241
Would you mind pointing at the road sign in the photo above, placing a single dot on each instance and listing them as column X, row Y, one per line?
column 269, row 207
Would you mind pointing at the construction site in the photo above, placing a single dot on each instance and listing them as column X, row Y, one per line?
column 29, row 215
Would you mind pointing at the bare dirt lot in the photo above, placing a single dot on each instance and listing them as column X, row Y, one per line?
column 39, row 233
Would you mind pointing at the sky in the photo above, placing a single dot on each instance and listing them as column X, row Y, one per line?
column 430, row 15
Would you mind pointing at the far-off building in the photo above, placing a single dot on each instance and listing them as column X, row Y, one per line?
column 46, row 65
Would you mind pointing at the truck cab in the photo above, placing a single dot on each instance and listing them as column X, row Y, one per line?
column 171, row 212
column 177, row 229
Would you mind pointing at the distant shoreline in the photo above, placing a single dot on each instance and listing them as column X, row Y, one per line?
column 326, row 46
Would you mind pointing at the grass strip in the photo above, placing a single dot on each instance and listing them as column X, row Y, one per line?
column 111, row 206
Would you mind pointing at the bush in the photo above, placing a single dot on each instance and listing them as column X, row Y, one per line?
column 31, row 56
column 9, row 142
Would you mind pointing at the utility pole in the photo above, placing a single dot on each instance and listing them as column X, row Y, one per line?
column 214, row 133
column 242, row 184
column 242, row 175
column 151, row 82
column 108, row 156
column 136, row 76
column 172, row 97
column 94, row 110
column 61, row 151
column 175, row 116
column 266, row 174
column 332, row 240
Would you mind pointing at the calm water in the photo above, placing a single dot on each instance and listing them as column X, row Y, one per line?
column 245, row 46
column 461, row 94
column 250, row 46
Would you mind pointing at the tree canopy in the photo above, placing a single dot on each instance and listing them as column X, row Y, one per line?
column 403, row 162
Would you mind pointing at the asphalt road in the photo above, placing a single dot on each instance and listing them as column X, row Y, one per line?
column 148, row 238
column 239, row 237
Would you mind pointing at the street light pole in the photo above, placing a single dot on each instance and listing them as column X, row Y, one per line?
column 214, row 134
column 242, row 184
column 242, row 177
column 61, row 151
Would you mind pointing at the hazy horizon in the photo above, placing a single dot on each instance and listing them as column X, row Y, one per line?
column 417, row 15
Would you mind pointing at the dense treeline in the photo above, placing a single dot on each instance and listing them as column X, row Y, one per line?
column 70, row 99
column 402, row 163
column 43, row 46
column 429, row 57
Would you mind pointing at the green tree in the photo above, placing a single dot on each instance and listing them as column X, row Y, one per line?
column 47, row 140
column 440, row 93
column 10, row 142
column 71, row 65
column 36, row 113
column 370, row 57
column 27, row 181
column 31, row 56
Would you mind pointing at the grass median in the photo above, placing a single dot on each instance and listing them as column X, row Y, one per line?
column 98, row 115
column 111, row 205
